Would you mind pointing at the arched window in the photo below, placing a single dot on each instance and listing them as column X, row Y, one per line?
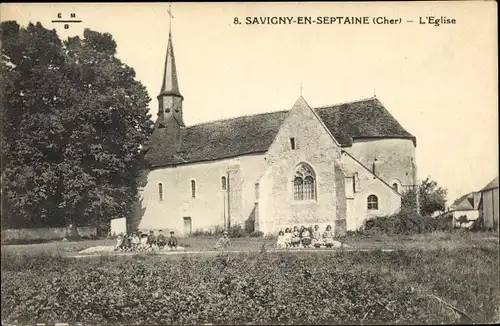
column 372, row 202
column 304, row 183
column 395, row 186
column 308, row 187
column 160, row 190
column 193, row 189
column 298, row 188
column 223, row 181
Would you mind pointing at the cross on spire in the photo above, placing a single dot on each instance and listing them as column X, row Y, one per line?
column 170, row 84
column 300, row 88
column 169, row 10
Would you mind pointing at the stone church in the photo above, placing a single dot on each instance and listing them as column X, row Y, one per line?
column 335, row 165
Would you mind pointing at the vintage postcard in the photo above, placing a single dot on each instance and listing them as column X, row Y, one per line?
column 249, row 163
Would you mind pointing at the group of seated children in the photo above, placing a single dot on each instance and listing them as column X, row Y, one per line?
column 138, row 241
column 304, row 238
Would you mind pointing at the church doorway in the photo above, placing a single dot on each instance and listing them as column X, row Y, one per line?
column 188, row 228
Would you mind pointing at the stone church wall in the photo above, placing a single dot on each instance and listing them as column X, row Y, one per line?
column 366, row 184
column 336, row 204
column 208, row 208
column 314, row 147
column 393, row 158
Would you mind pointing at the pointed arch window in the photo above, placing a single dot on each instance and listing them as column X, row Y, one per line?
column 193, row 189
column 395, row 186
column 304, row 183
column 160, row 190
column 372, row 202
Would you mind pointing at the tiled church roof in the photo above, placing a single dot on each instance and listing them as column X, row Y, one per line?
column 253, row 134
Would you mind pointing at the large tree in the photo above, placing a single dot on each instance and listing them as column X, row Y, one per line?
column 432, row 198
column 74, row 121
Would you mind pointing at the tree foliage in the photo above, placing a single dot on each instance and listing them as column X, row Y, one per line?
column 74, row 119
column 432, row 198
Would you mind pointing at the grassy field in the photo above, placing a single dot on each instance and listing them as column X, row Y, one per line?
column 435, row 240
column 416, row 283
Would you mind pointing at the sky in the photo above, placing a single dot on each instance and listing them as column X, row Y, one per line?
column 439, row 82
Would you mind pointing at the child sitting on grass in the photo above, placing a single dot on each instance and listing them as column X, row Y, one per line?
column 125, row 243
column 172, row 241
column 288, row 238
column 143, row 244
column 306, row 237
column 328, row 236
column 316, row 238
column 223, row 242
column 119, row 241
column 161, row 241
column 134, row 241
column 295, row 237
column 151, row 242
column 280, row 244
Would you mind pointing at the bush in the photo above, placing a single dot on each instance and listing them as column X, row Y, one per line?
column 256, row 234
column 198, row 233
column 252, row 288
column 236, row 231
column 407, row 223
column 217, row 230
column 441, row 223
column 355, row 233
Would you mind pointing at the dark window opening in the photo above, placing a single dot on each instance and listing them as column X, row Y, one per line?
column 372, row 202
column 298, row 186
column 160, row 190
column 224, row 184
column 193, row 189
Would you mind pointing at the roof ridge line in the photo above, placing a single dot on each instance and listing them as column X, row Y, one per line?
column 346, row 102
column 281, row 111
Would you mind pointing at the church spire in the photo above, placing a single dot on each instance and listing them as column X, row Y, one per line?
column 170, row 85
column 170, row 98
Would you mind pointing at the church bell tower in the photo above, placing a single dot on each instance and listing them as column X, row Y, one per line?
column 170, row 98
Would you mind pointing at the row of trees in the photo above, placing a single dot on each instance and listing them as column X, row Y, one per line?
column 74, row 119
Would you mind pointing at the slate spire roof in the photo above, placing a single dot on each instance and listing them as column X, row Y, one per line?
column 170, row 84
column 366, row 118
